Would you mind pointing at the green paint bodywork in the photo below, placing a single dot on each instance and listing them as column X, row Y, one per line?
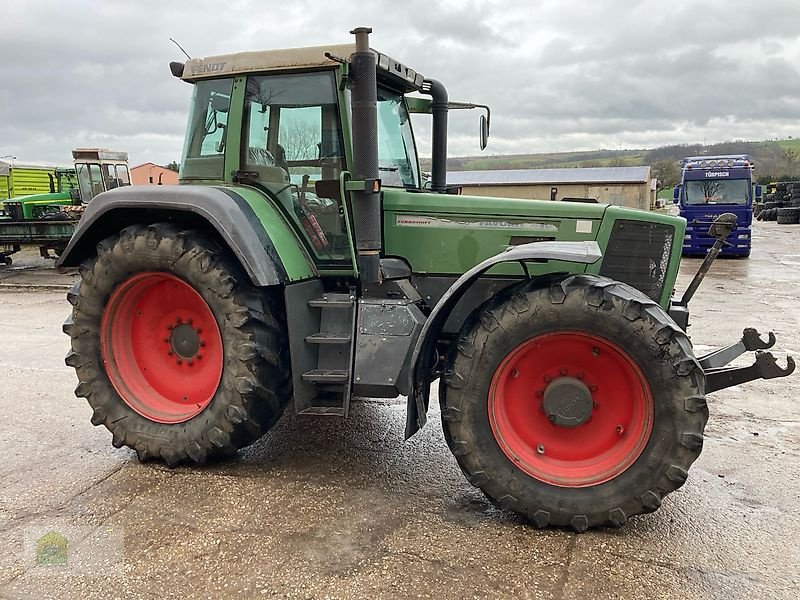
column 465, row 230
column 439, row 234
column 31, row 205
column 295, row 258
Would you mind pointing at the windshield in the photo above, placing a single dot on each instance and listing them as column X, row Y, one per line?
column 204, row 144
column 90, row 181
column 397, row 155
column 717, row 191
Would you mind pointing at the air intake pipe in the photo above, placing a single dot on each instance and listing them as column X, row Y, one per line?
column 366, row 203
column 439, row 110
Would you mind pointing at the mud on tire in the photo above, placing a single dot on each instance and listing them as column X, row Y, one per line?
column 254, row 385
column 626, row 319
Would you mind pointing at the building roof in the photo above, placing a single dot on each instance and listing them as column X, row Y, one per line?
column 550, row 176
column 149, row 164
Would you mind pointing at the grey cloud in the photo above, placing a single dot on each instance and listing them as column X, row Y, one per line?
column 558, row 75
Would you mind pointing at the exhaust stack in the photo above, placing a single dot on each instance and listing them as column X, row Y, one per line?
column 366, row 203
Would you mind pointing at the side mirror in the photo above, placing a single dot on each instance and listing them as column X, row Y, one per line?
column 484, row 131
column 758, row 192
column 676, row 194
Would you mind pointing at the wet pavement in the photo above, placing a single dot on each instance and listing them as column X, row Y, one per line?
column 322, row 508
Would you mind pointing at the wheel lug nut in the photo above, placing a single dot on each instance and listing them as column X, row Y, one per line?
column 199, row 356
column 179, row 320
column 540, row 449
column 592, row 388
column 562, row 372
column 620, row 429
column 170, row 326
column 190, row 363
column 170, row 353
column 199, row 331
column 189, row 321
column 595, row 351
column 595, row 405
column 548, row 379
column 166, row 339
column 202, row 344
column 540, row 393
column 552, row 418
column 514, row 373
column 581, row 375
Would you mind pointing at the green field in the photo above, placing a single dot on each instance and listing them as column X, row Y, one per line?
column 774, row 159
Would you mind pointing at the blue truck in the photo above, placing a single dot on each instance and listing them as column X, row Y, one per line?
column 710, row 186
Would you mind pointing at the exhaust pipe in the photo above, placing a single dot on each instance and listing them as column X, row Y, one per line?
column 439, row 108
column 366, row 203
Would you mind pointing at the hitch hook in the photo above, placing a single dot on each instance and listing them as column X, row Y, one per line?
column 765, row 367
column 750, row 342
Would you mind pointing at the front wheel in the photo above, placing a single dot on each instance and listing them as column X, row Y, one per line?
column 579, row 404
column 179, row 356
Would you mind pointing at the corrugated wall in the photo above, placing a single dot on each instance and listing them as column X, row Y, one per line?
column 26, row 181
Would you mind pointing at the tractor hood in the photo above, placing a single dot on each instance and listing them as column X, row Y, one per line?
column 445, row 235
column 400, row 201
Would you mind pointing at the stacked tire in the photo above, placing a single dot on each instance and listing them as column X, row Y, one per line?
column 782, row 206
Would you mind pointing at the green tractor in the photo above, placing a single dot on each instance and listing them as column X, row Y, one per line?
column 48, row 219
column 304, row 260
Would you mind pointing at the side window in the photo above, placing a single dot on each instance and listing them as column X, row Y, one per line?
column 293, row 139
column 123, row 175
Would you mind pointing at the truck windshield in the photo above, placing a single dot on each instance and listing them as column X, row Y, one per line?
column 717, row 191
column 397, row 155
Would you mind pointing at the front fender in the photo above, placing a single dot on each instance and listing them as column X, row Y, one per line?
column 419, row 384
column 246, row 221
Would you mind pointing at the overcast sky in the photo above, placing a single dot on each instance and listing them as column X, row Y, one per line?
column 559, row 74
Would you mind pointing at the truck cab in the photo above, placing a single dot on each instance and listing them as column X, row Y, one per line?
column 711, row 186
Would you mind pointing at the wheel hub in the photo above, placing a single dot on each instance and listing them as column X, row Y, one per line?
column 568, row 402
column 185, row 341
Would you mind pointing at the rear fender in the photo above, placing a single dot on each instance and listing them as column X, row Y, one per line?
column 424, row 349
column 244, row 220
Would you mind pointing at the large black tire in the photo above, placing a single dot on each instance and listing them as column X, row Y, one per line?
column 624, row 318
column 786, row 216
column 254, row 383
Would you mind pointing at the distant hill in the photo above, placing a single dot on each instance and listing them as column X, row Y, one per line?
column 774, row 159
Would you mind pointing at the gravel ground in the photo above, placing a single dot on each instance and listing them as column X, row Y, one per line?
column 322, row 508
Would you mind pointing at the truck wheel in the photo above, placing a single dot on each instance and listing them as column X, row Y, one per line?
column 179, row 356
column 579, row 404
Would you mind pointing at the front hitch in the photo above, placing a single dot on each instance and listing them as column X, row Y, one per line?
column 765, row 367
column 718, row 376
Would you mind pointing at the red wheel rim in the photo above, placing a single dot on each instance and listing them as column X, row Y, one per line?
column 620, row 412
column 161, row 347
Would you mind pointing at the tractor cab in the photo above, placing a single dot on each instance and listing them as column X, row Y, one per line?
column 281, row 121
column 100, row 170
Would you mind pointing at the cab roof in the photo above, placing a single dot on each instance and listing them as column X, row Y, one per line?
column 294, row 59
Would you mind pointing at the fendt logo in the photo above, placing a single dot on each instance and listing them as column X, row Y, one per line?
column 202, row 69
column 718, row 174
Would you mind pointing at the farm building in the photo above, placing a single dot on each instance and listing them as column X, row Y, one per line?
column 152, row 173
column 622, row 186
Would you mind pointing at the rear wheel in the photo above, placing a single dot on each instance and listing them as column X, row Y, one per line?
column 579, row 404
column 179, row 356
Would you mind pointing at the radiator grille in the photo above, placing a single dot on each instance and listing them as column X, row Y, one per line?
column 638, row 254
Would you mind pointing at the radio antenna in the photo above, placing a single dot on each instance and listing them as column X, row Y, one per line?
column 181, row 48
